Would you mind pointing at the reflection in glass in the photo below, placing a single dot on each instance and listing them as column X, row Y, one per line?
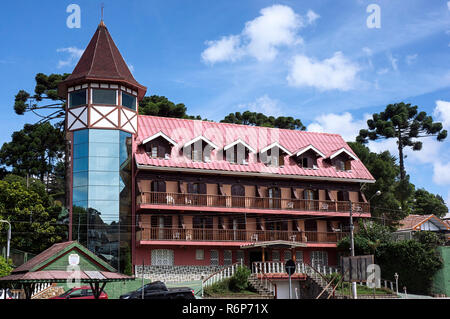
column 101, row 215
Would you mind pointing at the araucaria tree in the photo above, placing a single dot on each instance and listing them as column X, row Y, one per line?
column 404, row 123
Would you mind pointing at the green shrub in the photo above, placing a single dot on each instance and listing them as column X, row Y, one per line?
column 5, row 266
column 239, row 281
column 218, row 288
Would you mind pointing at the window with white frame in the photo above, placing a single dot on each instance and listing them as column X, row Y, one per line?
column 227, row 257
column 128, row 101
column 287, row 255
column 299, row 256
column 199, row 254
column 319, row 258
column 162, row 257
column 275, row 255
column 77, row 98
column 214, row 257
column 104, row 96
column 240, row 256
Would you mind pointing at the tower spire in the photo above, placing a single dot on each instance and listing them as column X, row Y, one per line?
column 101, row 19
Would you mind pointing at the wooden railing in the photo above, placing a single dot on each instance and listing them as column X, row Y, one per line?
column 209, row 234
column 207, row 200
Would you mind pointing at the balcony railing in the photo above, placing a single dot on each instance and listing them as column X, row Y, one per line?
column 148, row 233
column 226, row 201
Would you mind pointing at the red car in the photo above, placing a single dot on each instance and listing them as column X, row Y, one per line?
column 83, row 292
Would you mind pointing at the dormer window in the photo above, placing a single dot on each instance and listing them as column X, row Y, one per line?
column 199, row 149
column 342, row 159
column 159, row 145
column 104, row 96
column 238, row 152
column 307, row 157
column 273, row 155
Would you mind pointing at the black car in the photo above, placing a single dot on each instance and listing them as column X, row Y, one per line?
column 158, row 290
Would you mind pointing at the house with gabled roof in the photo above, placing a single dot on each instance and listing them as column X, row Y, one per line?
column 415, row 223
column 187, row 196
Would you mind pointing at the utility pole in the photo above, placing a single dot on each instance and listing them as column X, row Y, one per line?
column 8, row 242
column 352, row 248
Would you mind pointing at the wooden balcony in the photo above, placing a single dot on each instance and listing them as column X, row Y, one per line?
column 148, row 233
column 244, row 202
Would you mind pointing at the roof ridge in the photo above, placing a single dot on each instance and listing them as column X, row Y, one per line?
column 111, row 50
column 242, row 125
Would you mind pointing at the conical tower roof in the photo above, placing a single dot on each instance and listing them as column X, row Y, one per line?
column 101, row 62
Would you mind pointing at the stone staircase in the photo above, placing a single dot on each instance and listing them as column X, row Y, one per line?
column 256, row 284
column 319, row 281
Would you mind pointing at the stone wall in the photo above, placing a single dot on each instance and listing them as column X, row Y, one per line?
column 175, row 273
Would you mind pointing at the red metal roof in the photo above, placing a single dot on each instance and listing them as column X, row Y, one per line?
column 62, row 275
column 222, row 134
column 101, row 61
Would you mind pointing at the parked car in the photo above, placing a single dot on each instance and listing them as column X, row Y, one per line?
column 83, row 292
column 5, row 294
column 158, row 290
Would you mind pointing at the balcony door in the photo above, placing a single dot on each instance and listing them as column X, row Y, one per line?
column 162, row 227
column 274, row 194
column 238, row 195
column 311, row 197
column 203, row 228
column 158, row 189
column 197, row 194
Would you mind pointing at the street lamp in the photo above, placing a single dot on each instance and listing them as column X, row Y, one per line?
column 396, row 282
column 9, row 237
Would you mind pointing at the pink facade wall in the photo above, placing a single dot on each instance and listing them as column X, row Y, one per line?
column 185, row 256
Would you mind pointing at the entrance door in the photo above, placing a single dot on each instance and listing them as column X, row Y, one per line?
column 256, row 256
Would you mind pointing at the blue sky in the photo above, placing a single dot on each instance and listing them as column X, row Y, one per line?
column 314, row 60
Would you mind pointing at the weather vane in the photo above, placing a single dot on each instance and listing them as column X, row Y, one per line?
column 103, row 5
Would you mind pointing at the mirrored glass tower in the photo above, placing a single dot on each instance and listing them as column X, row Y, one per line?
column 101, row 119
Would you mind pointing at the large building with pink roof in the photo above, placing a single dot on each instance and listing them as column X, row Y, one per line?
column 187, row 197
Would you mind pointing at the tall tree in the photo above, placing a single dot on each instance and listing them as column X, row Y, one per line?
column 47, row 106
column 426, row 203
column 384, row 169
column 161, row 106
column 34, row 150
column 45, row 102
column 404, row 123
column 259, row 119
column 33, row 217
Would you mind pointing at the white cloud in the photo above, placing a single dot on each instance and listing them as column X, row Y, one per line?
column 225, row 49
column 410, row 59
column 265, row 105
column 336, row 72
column 367, row 51
column 343, row 124
column 276, row 26
column 382, row 71
column 74, row 55
column 394, row 62
column 312, row 16
column 441, row 174
column 262, row 37
column 442, row 113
